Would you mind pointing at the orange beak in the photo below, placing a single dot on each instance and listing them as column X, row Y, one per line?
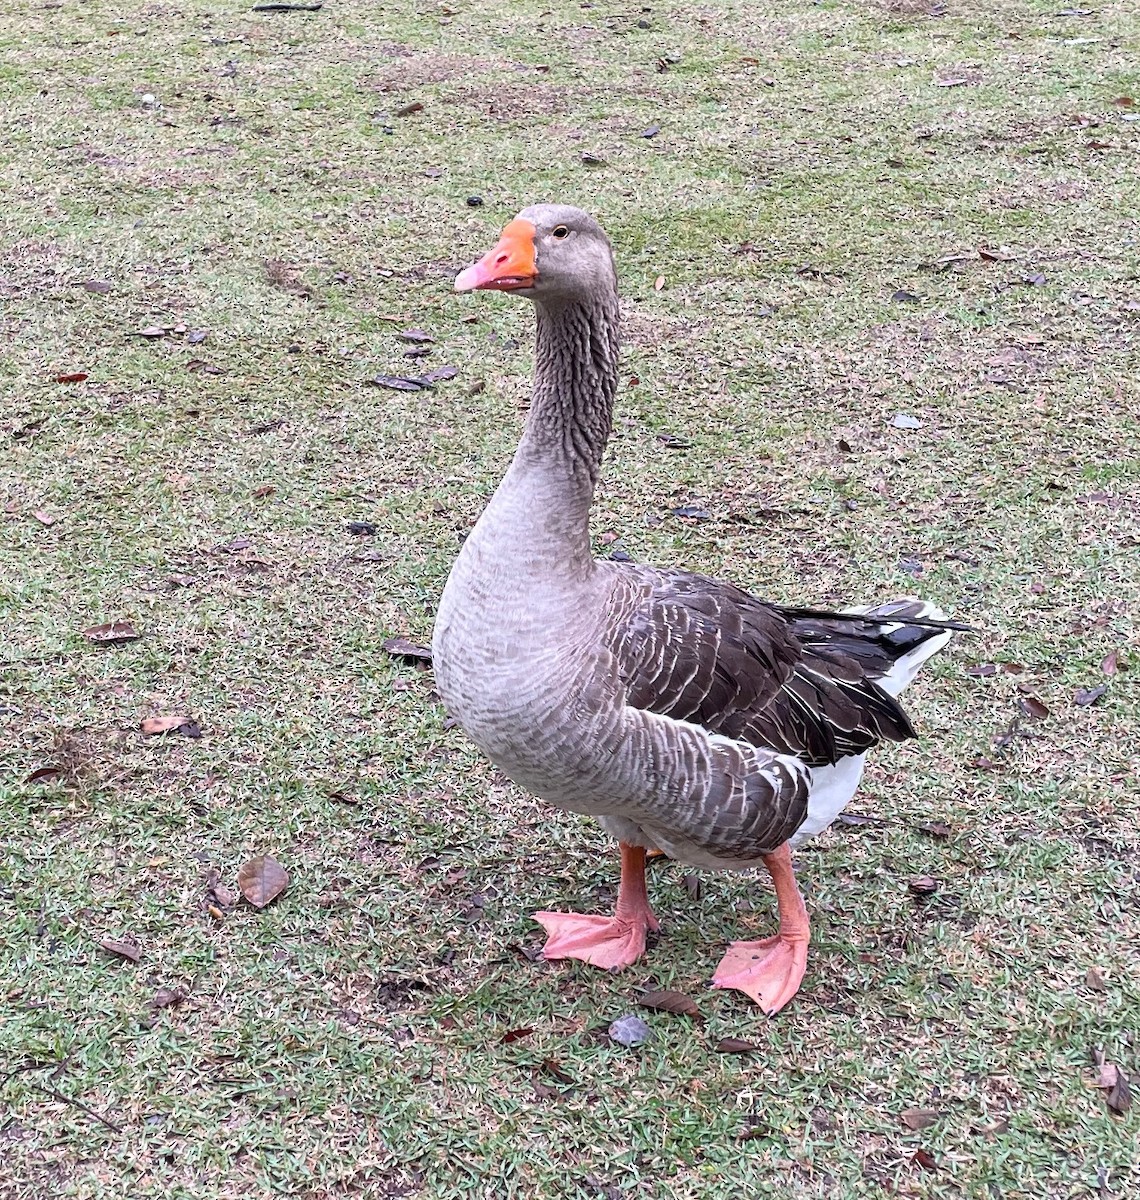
column 506, row 268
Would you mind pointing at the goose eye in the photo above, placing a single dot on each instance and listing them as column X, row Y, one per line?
column 560, row 231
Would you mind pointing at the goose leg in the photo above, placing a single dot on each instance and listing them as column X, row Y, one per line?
column 609, row 942
column 770, row 970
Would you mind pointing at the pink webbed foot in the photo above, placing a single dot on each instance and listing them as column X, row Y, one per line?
column 608, row 942
column 770, row 970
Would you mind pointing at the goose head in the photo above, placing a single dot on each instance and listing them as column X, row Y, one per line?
column 548, row 252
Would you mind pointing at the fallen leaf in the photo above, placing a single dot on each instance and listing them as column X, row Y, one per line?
column 415, row 335
column 980, row 670
column 1123, row 102
column 857, row 818
column 215, row 912
column 154, row 725
column 668, row 1000
column 398, row 383
column 180, row 580
column 112, row 632
column 925, row 1159
column 99, row 286
column 406, row 110
column 197, row 336
column 167, row 997
column 592, row 160
column 1001, row 255
column 360, row 528
column 628, row 1030
column 71, row 377
column 919, row 1118
column 731, row 1045
column 922, row 885
column 937, row 829
column 263, row 490
column 1033, row 706
column 1095, row 980
column 659, row 283
column 127, row 951
column 1086, row 696
column 202, row 367
column 399, row 647
column 151, row 331
column 692, row 511
column 951, row 81
column 692, row 886
column 440, row 373
column 1012, row 668
column 43, row 775
column 651, row 132
column 516, row 1035
column 903, row 420
column 1111, row 663
column 44, row 518
column 1114, row 1083
column 901, row 296
column 262, row 879
column 981, row 763
column 552, row 1068
column 1035, row 279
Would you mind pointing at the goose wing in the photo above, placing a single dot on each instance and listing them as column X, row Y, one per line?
column 707, row 653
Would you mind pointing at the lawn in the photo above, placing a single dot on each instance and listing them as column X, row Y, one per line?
column 881, row 273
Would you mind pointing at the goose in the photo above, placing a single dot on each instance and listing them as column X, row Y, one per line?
column 686, row 715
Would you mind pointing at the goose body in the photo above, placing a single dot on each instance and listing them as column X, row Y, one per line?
column 683, row 713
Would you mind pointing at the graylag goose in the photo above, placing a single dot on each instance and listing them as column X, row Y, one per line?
column 684, row 714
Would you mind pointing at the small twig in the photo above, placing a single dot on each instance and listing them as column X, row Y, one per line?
column 50, row 1091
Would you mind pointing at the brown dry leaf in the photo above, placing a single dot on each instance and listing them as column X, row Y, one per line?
column 731, row 1045
column 112, row 631
column 71, row 377
column 44, row 518
column 926, row 1160
column 670, row 1001
column 153, row 725
column 922, row 885
column 1111, row 663
column 399, row 647
column 516, row 1035
column 99, row 286
column 1086, row 696
column 1123, row 102
column 938, row 829
column 1033, row 707
column 43, row 774
column 151, row 331
column 1115, row 1084
column 127, row 951
column 1095, row 980
column 551, row 1067
column 919, row 1118
column 659, row 283
column 167, row 997
column 406, row 110
column 266, row 489
column 980, row 670
column 262, row 879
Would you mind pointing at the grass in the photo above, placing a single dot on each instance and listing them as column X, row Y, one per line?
column 245, row 174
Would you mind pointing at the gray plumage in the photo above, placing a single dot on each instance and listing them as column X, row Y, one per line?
column 680, row 711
